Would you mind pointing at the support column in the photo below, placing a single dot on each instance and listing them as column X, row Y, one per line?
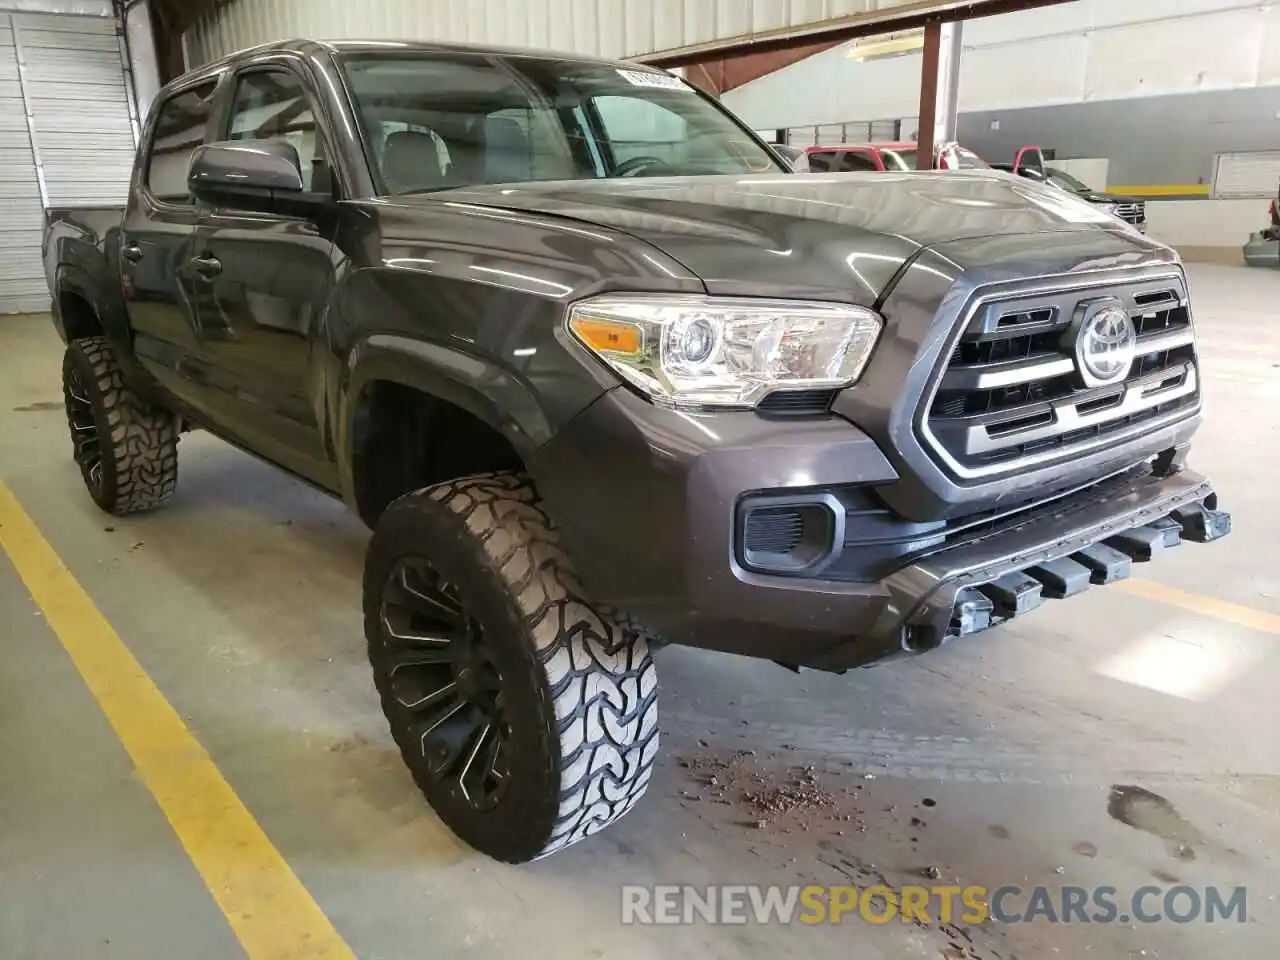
column 939, row 89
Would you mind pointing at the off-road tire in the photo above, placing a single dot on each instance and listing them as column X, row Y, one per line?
column 137, row 443
column 580, row 690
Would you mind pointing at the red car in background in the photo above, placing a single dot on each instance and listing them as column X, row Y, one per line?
column 882, row 157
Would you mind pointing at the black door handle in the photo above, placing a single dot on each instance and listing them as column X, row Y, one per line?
column 207, row 266
column 131, row 252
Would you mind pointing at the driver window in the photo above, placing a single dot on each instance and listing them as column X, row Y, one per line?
column 272, row 105
column 642, row 128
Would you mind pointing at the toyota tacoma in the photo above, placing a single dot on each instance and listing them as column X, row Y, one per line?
column 600, row 373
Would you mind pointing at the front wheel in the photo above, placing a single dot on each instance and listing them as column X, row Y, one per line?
column 528, row 720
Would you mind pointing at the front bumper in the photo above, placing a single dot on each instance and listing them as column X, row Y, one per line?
column 645, row 501
column 1051, row 552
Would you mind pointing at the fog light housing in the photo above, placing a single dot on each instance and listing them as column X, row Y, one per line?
column 789, row 535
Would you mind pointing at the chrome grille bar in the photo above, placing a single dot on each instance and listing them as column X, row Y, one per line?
column 1137, row 397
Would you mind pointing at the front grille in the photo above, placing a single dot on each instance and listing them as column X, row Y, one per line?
column 1135, row 212
column 1011, row 393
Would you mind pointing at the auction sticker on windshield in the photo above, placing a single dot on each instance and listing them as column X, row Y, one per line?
column 647, row 78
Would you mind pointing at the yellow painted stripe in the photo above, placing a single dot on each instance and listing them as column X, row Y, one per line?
column 1162, row 190
column 265, row 903
column 1205, row 606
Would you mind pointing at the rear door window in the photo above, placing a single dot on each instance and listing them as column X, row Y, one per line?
column 855, row 160
column 180, row 127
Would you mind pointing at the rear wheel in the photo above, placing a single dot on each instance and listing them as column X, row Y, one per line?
column 528, row 720
column 126, row 449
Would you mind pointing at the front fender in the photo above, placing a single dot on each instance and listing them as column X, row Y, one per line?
column 487, row 391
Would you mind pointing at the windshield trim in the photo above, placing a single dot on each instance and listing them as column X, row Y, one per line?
column 503, row 61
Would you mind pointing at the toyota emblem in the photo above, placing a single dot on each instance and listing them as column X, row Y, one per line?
column 1105, row 343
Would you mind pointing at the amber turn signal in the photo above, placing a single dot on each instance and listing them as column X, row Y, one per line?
column 608, row 336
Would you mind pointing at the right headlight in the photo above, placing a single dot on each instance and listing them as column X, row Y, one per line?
column 725, row 351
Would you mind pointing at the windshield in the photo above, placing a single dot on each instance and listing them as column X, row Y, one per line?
column 445, row 120
column 1066, row 181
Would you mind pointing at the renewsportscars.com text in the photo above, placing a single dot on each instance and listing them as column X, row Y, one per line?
column 743, row 903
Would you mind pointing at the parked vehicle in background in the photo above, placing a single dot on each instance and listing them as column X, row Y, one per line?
column 598, row 369
column 1262, row 249
column 882, row 157
column 1031, row 165
column 789, row 153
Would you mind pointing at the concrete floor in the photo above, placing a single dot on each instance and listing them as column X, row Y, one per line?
column 241, row 600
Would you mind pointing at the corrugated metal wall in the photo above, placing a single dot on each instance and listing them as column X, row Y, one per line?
column 608, row 28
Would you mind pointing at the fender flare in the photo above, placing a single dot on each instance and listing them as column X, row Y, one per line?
column 74, row 279
column 487, row 391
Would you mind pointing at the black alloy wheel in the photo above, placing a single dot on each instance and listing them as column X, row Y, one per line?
column 444, row 681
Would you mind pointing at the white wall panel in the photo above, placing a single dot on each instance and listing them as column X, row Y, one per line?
column 1216, row 51
column 1086, row 51
column 1046, row 71
column 1269, row 55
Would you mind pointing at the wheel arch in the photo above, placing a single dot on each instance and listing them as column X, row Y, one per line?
column 76, row 311
column 443, row 389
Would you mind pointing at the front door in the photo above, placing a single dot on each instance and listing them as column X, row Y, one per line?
column 265, row 283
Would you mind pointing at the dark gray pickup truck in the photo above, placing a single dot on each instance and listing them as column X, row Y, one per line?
column 601, row 373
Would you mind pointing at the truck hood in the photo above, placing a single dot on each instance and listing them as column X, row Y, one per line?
column 804, row 235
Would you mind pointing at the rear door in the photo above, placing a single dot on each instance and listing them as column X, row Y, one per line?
column 265, row 282
column 156, row 243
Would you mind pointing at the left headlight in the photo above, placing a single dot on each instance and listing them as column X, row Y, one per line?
column 725, row 351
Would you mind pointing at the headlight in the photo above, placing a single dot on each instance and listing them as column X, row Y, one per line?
column 725, row 351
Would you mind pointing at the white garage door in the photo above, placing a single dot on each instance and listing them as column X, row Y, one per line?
column 22, row 283
column 74, row 80
column 66, row 136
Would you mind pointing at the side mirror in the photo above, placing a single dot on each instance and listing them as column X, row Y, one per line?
column 262, row 175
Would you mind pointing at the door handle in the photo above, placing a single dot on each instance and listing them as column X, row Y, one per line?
column 131, row 252
column 207, row 266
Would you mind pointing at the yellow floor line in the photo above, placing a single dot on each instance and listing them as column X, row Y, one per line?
column 1205, row 606
column 268, row 908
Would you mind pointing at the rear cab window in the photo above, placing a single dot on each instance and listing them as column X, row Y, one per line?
column 181, row 123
